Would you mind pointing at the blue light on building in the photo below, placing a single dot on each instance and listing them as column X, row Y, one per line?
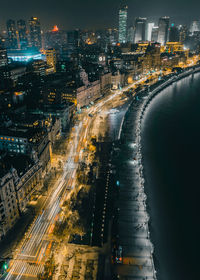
column 24, row 56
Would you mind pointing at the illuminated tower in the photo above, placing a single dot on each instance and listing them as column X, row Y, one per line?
column 51, row 58
column 123, row 14
column 150, row 26
column 163, row 27
column 11, row 34
column 22, row 31
column 140, row 27
column 35, row 33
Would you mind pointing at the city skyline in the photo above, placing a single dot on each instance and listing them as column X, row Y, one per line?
column 96, row 15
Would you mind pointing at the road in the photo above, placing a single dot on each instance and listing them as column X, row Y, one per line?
column 36, row 247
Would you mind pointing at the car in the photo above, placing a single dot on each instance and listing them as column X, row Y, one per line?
column 117, row 255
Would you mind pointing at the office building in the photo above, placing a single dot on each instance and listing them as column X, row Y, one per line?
column 140, row 28
column 51, row 58
column 12, row 42
column 154, row 34
column 163, row 28
column 150, row 26
column 173, row 33
column 131, row 34
column 35, row 33
column 3, row 57
column 123, row 15
column 195, row 26
column 183, row 32
column 23, row 35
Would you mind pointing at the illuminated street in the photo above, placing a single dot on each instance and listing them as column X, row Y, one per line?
column 36, row 247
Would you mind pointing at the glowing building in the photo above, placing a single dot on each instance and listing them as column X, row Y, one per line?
column 150, row 26
column 163, row 27
column 140, row 27
column 51, row 58
column 24, row 56
column 123, row 14
column 35, row 33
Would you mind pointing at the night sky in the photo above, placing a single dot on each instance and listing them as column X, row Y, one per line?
column 68, row 14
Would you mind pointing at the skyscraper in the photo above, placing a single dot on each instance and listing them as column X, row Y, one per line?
column 195, row 26
column 11, row 34
column 150, row 26
column 35, row 33
column 183, row 32
column 173, row 33
column 22, row 31
column 154, row 34
column 163, row 27
column 123, row 14
column 140, row 28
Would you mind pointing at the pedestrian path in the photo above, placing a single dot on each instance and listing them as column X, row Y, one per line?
column 134, row 235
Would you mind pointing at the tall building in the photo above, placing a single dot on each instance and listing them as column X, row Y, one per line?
column 195, row 26
column 183, row 32
column 73, row 39
column 154, row 34
column 3, row 57
column 150, row 26
column 173, row 33
column 35, row 33
column 140, row 28
column 131, row 34
column 51, row 58
column 163, row 28
column 22, row 31
column 123, row 15
column 11, row 34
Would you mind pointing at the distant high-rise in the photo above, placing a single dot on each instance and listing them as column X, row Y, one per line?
column 123, row 15
column 73, row 39
column 195, row 26
column 150, row 26
column 11, row 35
column 183, row 32
column 131, row 34
column 154, row 34
column 35, row 33
column 173, row 33
column 22, row 31
column 3, row 57
column 163, row 27
column 140, row 28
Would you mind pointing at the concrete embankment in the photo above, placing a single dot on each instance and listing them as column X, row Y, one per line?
column 131, row 222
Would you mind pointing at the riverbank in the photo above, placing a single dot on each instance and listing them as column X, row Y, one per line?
column 131, row 231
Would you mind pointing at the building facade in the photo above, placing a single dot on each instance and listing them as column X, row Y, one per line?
column 35, row 33
column 163, row 29
column 140, row 29
column 123, row 14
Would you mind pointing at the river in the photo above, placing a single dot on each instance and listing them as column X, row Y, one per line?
column 171, row 153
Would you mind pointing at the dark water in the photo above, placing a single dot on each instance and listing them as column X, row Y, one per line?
column 171, row 150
